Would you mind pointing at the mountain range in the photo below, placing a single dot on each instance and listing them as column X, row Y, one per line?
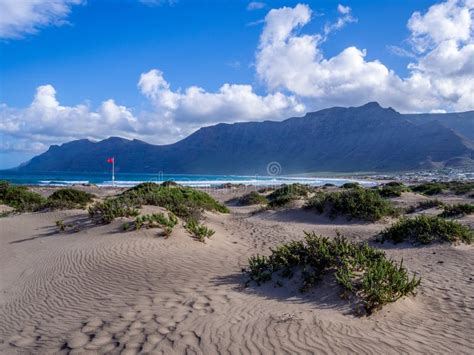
column 338, row 139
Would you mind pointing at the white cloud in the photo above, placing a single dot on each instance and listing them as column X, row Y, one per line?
column 344, row 10
column 157, row 2
column 255, row 5
column 450, row 20
column 232, row 102
column 46, row 121
column 21, row 17
column 176, row 114
column 346, row 17
column 441, row 78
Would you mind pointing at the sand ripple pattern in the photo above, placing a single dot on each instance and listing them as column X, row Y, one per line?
column 100, row 291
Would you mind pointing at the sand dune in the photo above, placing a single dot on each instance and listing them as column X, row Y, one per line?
column 101, row 290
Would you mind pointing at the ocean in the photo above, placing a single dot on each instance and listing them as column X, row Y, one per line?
column 128, row 180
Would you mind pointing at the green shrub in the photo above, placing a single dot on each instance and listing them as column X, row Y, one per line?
column 424, row 205
column 360, row 269
column 286, row 194
column 157, row 220
column 426, row 229
column 350, row 185
column 69, row 198
column 20, row 197
column 429, row 188
column 392, row 189
column 106, row 211
column 461, row 187
column 183, row 201
column 252, row 198
column 355, row 203
column 62, row 227
column 457, row 210
column 199, row 231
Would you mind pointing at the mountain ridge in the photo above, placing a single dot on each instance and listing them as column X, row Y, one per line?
column 338, row 139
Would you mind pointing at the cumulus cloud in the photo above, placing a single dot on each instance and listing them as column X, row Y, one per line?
column 441, row 77
column 175, row 114
column 46, row 122
column 232, row 102
column 447, row 21
column 19, row 18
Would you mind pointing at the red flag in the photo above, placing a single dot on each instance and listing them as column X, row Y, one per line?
column 110, row 160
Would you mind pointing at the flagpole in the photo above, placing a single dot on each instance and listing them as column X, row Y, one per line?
column 113, row 171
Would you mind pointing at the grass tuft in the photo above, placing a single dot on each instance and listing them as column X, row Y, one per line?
column 457, row 210
column 392, row 189
column 362, row 270
column 350, row 185
column 425, row 230
column 424, row 205
column 156, row 220
column 429, row 188
column 20, row 197
column 252, row 198
column 184, row 202
column 69, row 198
column 106, row 211
column 287, row 194
column 357, row 203
column 199, row 231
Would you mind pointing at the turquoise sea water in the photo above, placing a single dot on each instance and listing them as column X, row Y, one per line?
column 125, row 180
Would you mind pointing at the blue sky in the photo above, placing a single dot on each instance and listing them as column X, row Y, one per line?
column 95, row 52
column 108, row 44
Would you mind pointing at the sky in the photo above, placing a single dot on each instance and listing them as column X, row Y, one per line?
column 157, row 70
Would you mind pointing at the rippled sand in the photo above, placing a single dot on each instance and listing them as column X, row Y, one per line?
column 101, row 290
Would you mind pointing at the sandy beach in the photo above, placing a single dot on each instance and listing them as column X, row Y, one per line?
column 98, row 289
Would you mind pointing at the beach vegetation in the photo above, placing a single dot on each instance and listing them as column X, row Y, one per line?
column 350, row 185
column 424, row 205
column 429, row 188
column 436, row 188
column 286, row 194
column 157, row 220
column 109, row 209
column 425, row 229
column 457, row 210
column 355, row 203
column 361, row 270
column 252, row 198
column 461, row 187
column 183, row 201
column 69, row 198
column 198, row 230
column 62, row 227
column 20, row 197
column 392, row 189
